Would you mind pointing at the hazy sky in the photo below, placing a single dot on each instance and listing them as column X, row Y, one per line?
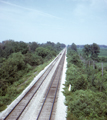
column 64, row 21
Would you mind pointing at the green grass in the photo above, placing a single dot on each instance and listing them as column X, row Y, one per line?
column 3, row 107
column 99, row 65
column 79, row 51
column 103, row 53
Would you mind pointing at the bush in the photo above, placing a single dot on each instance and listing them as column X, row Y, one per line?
column 80, row 83
column 87, row 98
column 87, row 105
column 76, row 78
column 15, row 63
column 74, row 59
column 33, row 59
column 43, row 52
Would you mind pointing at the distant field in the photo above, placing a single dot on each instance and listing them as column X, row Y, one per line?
column 79, row 51
column 99, row 65
column 103, row 52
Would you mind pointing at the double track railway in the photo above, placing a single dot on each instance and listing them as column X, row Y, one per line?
column 46, row 110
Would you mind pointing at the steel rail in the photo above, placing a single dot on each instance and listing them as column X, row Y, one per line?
column 46, row 94
column 30, row 89
column 56, row 89
column 53, row 78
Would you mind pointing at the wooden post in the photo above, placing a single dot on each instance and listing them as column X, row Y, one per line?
column 69, row 89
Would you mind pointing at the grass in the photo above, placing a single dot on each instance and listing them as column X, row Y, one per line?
column 99, row 65
column 17, row 87
column 3, row 107
column 103, row 53
column 79, row 50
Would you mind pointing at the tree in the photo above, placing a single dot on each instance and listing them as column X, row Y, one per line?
column 74, row 59
column 95, row 50
column 23, row 47
column 1, row 51
column 33, row 59
column 33, row 46
column 8, row 48
column 91, row 51
column 87, row 50
column 13, row 67
column 74, row 47
column 43, row 52
column 58, row 46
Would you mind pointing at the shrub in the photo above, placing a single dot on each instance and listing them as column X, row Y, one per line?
column 74, row 59
column 33, row 59
column 76, row 78
column 79, row 83
column 87, row 98
column 43, row 52
column 87, row 105
column 15, row 63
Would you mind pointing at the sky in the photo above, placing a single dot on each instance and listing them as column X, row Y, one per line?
column 65, row 21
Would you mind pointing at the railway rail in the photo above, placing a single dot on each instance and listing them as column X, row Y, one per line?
column 46, row 111
column 19, row 108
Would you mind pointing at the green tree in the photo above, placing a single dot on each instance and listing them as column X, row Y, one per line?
column 74, row 47
column 1, row 51
column 95, row 50
column 33, row 46
column 8, row 48
column 23, row 47
column 58, row 47
column 13, row 68
column 43, row 52
column 87, row 51
column 33, row 59
column 74, row 59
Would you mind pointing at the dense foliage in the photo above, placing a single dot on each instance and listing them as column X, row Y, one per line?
column 91, row 51
column 87, row 99
column 74, row 47
column 17, row 59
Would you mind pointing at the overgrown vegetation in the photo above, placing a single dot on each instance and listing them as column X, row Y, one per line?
column 17, row 62
column 87, row 99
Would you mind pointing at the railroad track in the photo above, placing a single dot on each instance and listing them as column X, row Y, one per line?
column 46, row 111
column 19, row 108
